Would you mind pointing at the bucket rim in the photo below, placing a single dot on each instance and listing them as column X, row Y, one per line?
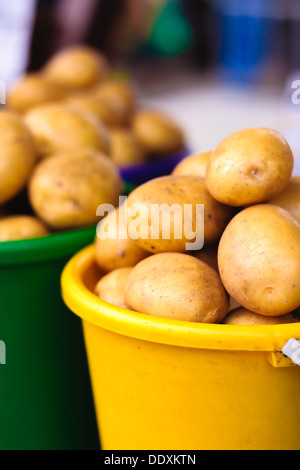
column 60, row 245
column 83, row 303
column 51, row 247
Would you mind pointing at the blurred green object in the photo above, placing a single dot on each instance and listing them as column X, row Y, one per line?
column 171, row 33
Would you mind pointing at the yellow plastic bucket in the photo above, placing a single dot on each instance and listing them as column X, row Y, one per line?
column 164, row 385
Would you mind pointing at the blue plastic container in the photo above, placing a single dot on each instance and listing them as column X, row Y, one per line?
column 247, row 38
column 141, row 173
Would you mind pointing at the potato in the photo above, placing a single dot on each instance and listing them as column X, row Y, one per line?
column 177, row 286
column 77, row 67
column 249, row 167
column 194, row 165
column 120, row 93
column 157, row 133
column 21, row 227
column 259, row 260
column 115, row 251
column 209, row 255
column 182, row 193
column 17, row 155
column 243, row 317
column 57, row 128
column 108, row 112
column 233, row 304
column 125, row 150
column 34, row 90
column 289, row 199
column 111, row 288
column 66, row 190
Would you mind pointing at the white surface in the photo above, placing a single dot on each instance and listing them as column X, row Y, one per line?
column 210, row 112
column 16, row 22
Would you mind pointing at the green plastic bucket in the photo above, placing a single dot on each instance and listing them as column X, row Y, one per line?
column 45, row 395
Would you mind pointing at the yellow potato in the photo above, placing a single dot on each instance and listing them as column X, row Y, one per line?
column 125, row 150
column 66, row 190
column 17, row 155
column 158, row 133
column 57, row 128
column 77, row 67
column 233, row 304
column 243, row 317
column 249, row 167
column 209, row 255
column 111, row 288
column 34, row 90
column 114, row 250
column 185, row 192
column 178, row 287
column 259, row 260
column 120, row 93
column 194, row 165
column 289, row 199
column 108, row 112
column 21, row 227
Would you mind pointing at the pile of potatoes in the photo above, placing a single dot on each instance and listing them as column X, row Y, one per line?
column 248, row 272
column 66, row 130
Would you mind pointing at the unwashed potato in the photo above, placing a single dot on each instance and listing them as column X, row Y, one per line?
column 259, row 260
column 108, row 112
column 243, row 317
column 177, row 197
column 34, row 90
column 233, row 304
column 57, row 128
column 157, row 133
column 113, row 247
column 77, row 67
column 125, row 149
column 66, row 190
column 17, row 155
column 21, row 227
column 250, row 167
column 209, row 255
column 120, row 93
column 194, row 165
column 178, row 287
column 289, row 199
column 111, row 287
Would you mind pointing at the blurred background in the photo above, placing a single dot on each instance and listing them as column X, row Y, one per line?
column 215, row 65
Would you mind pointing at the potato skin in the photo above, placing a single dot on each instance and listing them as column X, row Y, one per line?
column 179, row 190
column 57, row 127
column 194, row 165
column 259, row 260
column 32, row 91
column 209, row 255
column 121, row 94
column 125, row 150
column 243, row 317
column 289, row 199
column 111, row 287
column 66, row 189
column 17, row 155
column 21, row 227
column 177, row 287
column 249, row 167
column 114, row 252
column 77, row 67
column 108, row 113
column 157, row 133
